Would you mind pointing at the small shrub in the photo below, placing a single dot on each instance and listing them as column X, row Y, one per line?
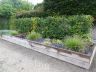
column 57, row 41
column 14, row 33
column 87, row 37
column 74, row 43
column 47, row 42
column 34, row 36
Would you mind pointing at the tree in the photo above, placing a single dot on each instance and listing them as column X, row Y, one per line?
column 21, row 5
column 39, row 7
column 6, row 10
column 70, row 7
column 18, row 4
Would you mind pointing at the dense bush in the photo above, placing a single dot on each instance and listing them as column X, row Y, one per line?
column 56, row 27
column 11, row 23
column 59, row 27
column 70, row 7
column 33, row 36
column 23, row 25
column 74, row 43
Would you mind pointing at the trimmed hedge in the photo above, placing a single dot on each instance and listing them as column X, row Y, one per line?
column 4, row 23
column 23, row 25
column 60, row 27
column 56, row 27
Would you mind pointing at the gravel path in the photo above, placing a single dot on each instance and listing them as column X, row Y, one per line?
column 14, row 58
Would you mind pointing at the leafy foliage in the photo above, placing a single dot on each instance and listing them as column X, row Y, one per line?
column 57, row 41
column 7, row 7
column 47, row 42
column 4, row 23
column 60, row 27
column 18, row 4
column 74, row 43
column 39, row 7
column 23, row 25
column 56, row 27
column 70, row 7
column 6, row 10
column 22, row 5
column 33, row 36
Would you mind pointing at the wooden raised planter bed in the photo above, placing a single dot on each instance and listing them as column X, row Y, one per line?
column 72, row 57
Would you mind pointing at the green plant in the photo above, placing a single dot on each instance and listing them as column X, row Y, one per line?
column 61, row 26
column 47, row 42
column 6, row 10
column 56, row 27
column 11, row 23
column 14, row 33
column 23, row 25
column 57, row 41
column 34, row 23
column 74, row 43
column 70, row 7
column 33, row 36
column 87, row 37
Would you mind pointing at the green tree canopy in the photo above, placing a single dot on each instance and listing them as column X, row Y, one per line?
column 39, row 7
column 6, row 10
column 21, row 5
column 8, row 7
column 70, row 7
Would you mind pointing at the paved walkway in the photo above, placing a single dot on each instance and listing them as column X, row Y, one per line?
column 14, row 58
column 94, row 33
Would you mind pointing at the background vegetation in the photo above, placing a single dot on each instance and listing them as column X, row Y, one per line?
column 9, row 8
column 55, row 27
column 52, row 19
column 70, row 7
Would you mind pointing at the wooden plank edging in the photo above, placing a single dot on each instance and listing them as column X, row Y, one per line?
column 83, row 60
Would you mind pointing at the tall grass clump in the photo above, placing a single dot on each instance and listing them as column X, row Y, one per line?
column 33, row 36
column 74, row 43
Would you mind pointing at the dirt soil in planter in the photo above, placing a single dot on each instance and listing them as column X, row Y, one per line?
column 88, row 50
column 22, row 35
